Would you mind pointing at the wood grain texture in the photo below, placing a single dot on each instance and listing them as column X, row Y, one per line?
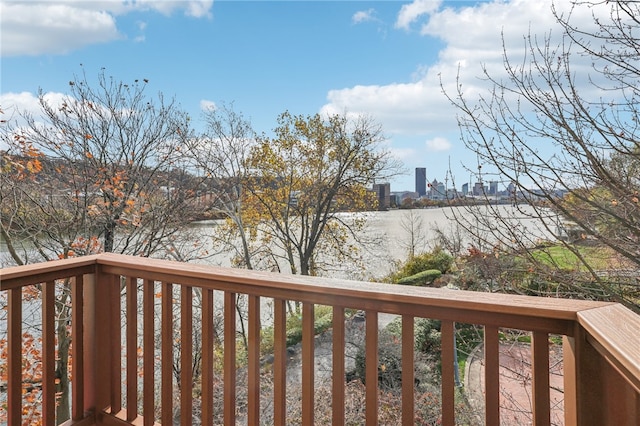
column 448, row 379
column 131, row 325
column 408, row 373
column 253, row 361
column 614, row 331
column 338, row 372
column 77, row 348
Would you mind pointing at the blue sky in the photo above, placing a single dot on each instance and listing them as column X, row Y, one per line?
column 379, row 58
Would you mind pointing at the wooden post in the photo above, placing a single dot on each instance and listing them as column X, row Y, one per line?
column 492, row 375
column 583, row 398
column 98, row 296
column 371, row 367
column 448, row 373
column 540, row 385
column 253, row 356
column 308, row 360
column 14, row 363
column 279, row 362
column 408, row 375
column 229, row 358
column 338, row 367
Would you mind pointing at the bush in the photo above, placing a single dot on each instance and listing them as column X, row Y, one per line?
column 436, row 259
column 421, row 278
column 427, row 332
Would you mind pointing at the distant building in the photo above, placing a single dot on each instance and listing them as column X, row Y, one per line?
column 421, row 181
column 465, row 189
column 493, row 187
column 383, row 193
column 478, row 189
column 437, row 190
column 403, row 195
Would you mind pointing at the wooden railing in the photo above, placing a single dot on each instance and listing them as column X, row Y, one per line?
column 124, row 345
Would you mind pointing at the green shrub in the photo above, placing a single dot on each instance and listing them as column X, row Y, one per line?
column 421, row 278
column 427, row 333
column 435, row 259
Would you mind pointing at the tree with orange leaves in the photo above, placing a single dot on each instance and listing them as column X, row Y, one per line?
column 98, row 171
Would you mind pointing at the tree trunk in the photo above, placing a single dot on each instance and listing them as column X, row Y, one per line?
column 63, row 388
column 109, row 231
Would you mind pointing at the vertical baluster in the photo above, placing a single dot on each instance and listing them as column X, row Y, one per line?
column 98, row 340
column 407, row 370
column 338, row 366
column 254, row 361
column 279, row 362
column 207, row 357
column 48, row 353
column 229, row 358
column 132, row 348
column 167, row 353
column 308, row 361
column 77, row 348
column 186, row 355
column 492, row 375
column 148, row 352
column 14, row 363
column 371, row 366
column 116, row 344
column 448, row 383
column 540, row 365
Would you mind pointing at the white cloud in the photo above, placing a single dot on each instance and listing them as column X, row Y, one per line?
column 403, row 108
column 409, row 13
column 192, row 8
column 206, row 105
column 37, row 28
column 438, row 144
column 199, row 9
column 403, row 154
column 417, row 106
column 58, row 27
column 142, row 26
column 364, row 16
column 15, row 104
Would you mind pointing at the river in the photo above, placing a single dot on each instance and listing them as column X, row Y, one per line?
column 387, row 238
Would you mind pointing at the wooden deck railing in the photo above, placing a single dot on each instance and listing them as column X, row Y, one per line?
column 124, row 315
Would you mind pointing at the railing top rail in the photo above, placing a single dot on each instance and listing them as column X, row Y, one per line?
column 525, row 312
column 262, row 280
column 36, row 273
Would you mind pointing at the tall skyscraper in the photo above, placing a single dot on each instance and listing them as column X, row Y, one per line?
column 421, row 181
